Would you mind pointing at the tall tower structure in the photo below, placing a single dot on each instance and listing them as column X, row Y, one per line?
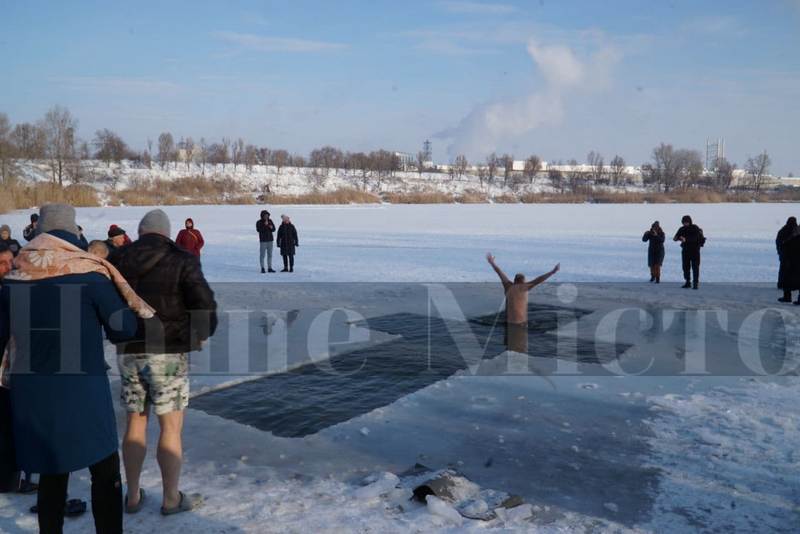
column 427, row 149
column 715, row 150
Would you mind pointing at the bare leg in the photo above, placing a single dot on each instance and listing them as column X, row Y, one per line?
column 170, row 455
column 134, row 448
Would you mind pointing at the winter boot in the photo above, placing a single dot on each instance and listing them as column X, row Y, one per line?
column 271, row 270
column 787, row 297
column 694, row 285
column 687, row 285
column 263, row 271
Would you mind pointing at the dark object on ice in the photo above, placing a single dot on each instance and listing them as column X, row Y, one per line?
column 72, row 508
column 489, row 461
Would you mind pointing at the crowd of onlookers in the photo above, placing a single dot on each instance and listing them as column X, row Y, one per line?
column 61, row 295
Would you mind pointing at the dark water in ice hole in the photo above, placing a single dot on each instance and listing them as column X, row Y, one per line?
column 309, row 399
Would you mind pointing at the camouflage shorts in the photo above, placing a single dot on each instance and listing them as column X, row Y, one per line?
column 158, row 380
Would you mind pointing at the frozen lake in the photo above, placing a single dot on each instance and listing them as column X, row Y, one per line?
column 593, row 448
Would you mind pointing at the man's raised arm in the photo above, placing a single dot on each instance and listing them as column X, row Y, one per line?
column 538, row 280
column 498, row 270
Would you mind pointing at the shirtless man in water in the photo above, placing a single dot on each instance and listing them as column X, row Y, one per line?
column 517, row 304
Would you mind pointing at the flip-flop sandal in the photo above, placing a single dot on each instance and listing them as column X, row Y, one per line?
column 186, row 504
column 138, row 506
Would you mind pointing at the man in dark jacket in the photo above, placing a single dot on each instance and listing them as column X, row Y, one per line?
column 785, row 234
column 287, row 242
column 265, row 227
column 154, row 366
column 692, row 239
column 60, row 396
column 29, row 232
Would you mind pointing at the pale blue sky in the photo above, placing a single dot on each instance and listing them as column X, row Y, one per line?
column 553, row 78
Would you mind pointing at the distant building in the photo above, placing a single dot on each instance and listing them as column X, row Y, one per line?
column 407, row 161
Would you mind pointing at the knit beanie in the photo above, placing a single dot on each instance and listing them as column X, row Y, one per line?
column 57, row 217
column 155, row 222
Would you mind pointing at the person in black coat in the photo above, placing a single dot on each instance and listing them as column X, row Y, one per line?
column 655, row 251
column 287, row 242
column 692, row 239
column 154, row 365
column 5, row 238
column 29, row 232
column 785, row 234
column 265, row 228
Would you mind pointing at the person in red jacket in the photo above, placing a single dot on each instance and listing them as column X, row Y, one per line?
column 190, row 238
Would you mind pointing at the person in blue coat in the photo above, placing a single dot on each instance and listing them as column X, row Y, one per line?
column 62, row 410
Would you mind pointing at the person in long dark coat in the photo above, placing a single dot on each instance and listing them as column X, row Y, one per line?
column 287, row 242
column 63, row 416
column 692, row 240
column 655, row 251
column 790, row 255
column 785, row 234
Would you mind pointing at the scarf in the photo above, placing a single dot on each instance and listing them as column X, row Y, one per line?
column 48, row 256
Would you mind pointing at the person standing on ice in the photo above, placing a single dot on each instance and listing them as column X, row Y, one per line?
column 154, row 366
column 287, row 242
column 692, row 240
column 190, row 238
column 517, row 304
column 785, row 235
column 265, row 228
column 6, row 239
column 655, row 251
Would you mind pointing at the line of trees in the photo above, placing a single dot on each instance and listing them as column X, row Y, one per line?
column 54, row 139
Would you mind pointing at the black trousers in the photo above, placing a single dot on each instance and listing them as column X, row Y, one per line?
column 106, row 498
column 288, row 261
column 691, row 265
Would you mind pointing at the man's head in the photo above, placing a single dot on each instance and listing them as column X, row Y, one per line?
column 116, row 235
column 264, row 215
column 791, row 222
column 155, row 222
column 98, row 248
column 58, row 217
column 189, row 224
column 686, row 220
column 519, row 278
column 34, row 218
column 5, row 232
column 6, row 260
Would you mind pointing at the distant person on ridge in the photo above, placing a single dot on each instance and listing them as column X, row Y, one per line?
column 30, row 231
column 517, row 304
column 655, row 251
column 265, row 228
column 692, row 239
column 787, row 245
column 287, row 242
column 5, row 238
column 190, row 238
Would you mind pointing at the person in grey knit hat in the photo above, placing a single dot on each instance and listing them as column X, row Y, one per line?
column 57, row 217
column 155, row 222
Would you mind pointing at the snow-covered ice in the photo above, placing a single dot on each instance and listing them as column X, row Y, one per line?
column 655, row 453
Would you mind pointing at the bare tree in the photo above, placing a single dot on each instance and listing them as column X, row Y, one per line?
column 596, row 162
column 723, row 174
column 166, row 146
column 226, row 145
column 29, row 141
column 507, row 162
column 757, row 169
column 280, row 158
column 461, row 165
column 202, row 149
column 59, row 127
column 6, row 148
column 109, row 146
column 556, row 178
column 238, row 152
column 491, row 167
column 689, row 167
column 665, row 168
column 532, row 167
column 250, row 157
column 617, row 170
column 483, row 173
column 189, row 151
